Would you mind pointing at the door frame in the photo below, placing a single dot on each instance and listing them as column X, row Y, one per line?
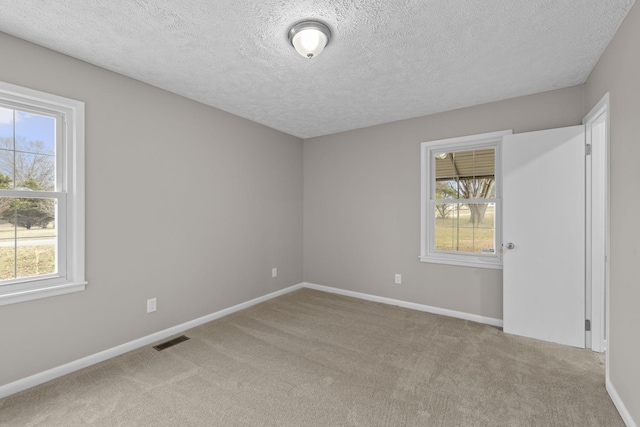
column 597, row 232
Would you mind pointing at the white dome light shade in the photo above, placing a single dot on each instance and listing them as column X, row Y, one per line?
column 309, row 38
column 309, row 42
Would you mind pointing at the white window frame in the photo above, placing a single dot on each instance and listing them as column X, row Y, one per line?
column 428, row 200
column 69, row 194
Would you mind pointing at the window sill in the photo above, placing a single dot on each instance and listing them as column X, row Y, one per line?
column 13, row 296
column 491, row 264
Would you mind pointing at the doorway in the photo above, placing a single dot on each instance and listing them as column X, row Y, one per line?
column 556, row 277
column 597, row 224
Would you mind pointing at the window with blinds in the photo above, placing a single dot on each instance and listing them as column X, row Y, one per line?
column 461, row 200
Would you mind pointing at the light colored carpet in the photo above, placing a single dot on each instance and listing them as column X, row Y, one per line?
column 310, row 358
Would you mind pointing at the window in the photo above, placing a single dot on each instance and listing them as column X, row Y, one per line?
column 461, row 205
column 41, row 195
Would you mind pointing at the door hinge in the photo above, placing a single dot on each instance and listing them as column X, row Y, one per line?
column 587, row 325
column 587, row 149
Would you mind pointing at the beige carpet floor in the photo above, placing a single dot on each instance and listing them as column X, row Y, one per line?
column 310, row 358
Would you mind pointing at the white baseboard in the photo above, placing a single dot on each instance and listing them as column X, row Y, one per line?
column 620, row 406
column 42, row 377
column 48, row 375
column 405, row 304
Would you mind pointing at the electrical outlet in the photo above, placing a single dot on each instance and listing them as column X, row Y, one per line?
column 274, row 272
column 398, row 279
column 151, row 305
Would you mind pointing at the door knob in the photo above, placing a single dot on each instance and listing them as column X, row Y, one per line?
column 510, row 245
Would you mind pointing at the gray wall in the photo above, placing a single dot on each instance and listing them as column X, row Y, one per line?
column 618, row 72
column 194, row 206
column 362, row 203
column 185, row 203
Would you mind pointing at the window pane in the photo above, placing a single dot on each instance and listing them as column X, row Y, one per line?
column 444, row 166
column 35, row 172
column 35, row 133
column 6, row 126
column 465, row 174
column 27, row 150
column 465, row 164
column 7, row 247
column 484, row 163
column 27, row 237
column 35, row 256
column 449, row 189
column 6, row 148
column 6, row 168
column 478, row 188
column 465, row 227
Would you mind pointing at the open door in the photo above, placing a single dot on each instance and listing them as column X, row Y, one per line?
column 544, row 235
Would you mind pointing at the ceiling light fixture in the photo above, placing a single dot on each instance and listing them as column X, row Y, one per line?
column 309, row 38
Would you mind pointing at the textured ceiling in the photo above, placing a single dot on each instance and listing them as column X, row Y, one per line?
column 387, row 60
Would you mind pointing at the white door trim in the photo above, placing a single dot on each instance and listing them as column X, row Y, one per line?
column 597, row 230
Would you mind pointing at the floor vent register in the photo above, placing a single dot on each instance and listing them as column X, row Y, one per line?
column 171, row 343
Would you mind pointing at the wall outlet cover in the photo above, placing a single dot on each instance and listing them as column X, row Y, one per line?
column 152, row 305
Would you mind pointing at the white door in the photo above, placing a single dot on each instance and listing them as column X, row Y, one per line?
column 544, row 225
